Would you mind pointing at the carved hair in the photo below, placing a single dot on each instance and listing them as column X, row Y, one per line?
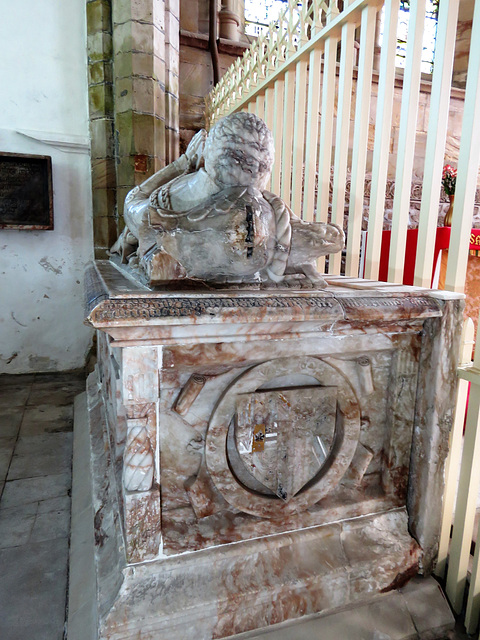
column 239, row 151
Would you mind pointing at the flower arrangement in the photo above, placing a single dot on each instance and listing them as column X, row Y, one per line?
column 449, row 179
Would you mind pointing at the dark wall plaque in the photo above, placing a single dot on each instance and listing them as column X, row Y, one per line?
column 26, row 196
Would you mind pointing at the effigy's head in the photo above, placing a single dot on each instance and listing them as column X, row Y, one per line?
column 239, row 151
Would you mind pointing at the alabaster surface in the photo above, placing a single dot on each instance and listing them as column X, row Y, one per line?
column 271, row 453
column 208, row 216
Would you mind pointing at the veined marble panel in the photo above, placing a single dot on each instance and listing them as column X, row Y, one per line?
column 284, row 438
column 182, row 442
column 262, row 447
column 228, row 590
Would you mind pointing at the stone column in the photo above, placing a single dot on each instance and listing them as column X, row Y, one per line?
column 229, row 20
column 172, row 69
column 139, row 81
column 100, row 98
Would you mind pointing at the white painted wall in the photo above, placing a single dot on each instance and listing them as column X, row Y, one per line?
column 43, row 80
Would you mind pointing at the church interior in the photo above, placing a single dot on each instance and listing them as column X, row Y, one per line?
column 191, row 512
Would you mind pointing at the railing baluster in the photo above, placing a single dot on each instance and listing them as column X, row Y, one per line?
column 269, row 115
column 260, row 106
column 472, row 612
column 313, row 105
column 279, row 96
column 269, row 106
column 326, row 133
column 299, row 137
column 436, row 138
column 468, row 486
column 468, row 163
column 455, row 451
column 345, row 82
column 406, row 141
column 381, row 146
column 360, row 139
column 287, row 142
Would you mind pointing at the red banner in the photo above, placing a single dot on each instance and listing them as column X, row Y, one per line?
column 475, row 240
column 442, row 241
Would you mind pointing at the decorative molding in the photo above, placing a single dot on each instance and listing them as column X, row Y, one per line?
column 367, row 309
column 95, row 289
column 368, row 303
column 68, row 143
column 136, row 311
column 148, row 308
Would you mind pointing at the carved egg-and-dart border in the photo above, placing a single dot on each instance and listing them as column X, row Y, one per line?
column 347, row 434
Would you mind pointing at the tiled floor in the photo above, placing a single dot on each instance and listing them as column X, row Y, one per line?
column 36, row 423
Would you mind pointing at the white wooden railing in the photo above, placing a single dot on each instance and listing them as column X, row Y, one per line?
column 462, row 478
column 291, row 78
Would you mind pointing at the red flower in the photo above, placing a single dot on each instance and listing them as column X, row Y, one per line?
column 449, row 179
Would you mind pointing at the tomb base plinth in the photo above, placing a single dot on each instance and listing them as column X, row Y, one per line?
column 259, row 456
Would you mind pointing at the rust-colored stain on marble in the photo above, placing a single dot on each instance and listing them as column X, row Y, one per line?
column 258, row 439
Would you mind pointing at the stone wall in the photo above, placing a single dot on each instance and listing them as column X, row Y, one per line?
column 462, row 46
column 133, row 59
column 149, row 70
column 196, row 70
column 196, row 79
column 44, row 112
column 102, row 121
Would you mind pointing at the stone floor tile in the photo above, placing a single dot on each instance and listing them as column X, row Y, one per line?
column 35, row 511
column 13, row 396
column 6, row 451
column 50, row 526
column 426, row 602
column 61, row 503
column 33, row 591
column 71, row 377
column 53, row 394
column 8, row 442
column 41, row 455
column 19, row 492
column 17, row 380
column 39, row 466
column 5, row 458
column 10, row 420
column 47, row 418
column 58, row 443
column 16, row 525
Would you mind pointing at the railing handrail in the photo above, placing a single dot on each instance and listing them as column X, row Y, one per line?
column 219, row 104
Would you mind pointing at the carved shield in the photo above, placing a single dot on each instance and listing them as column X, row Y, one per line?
column 284, row 436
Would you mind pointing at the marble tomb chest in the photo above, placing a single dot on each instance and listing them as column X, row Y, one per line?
column 263, row 454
